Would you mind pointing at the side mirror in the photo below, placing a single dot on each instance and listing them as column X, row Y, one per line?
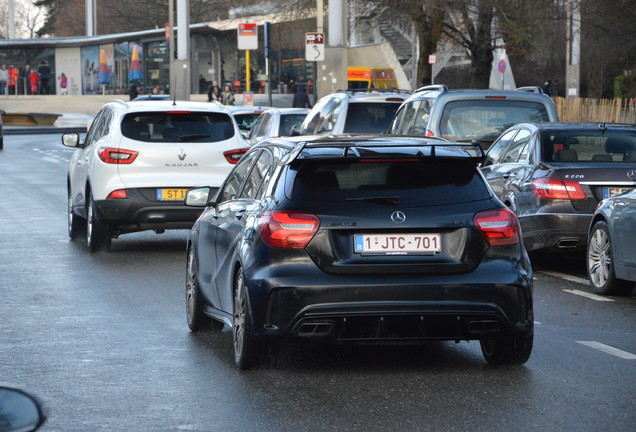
column 20, row 411
column 198, row 197
column 71, row 139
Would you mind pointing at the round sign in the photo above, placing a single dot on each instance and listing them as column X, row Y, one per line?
column 501, row 66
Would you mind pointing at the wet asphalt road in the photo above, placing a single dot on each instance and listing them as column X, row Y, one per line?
column 103, row 339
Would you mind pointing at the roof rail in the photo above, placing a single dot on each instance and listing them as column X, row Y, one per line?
column 439, row 87
column 373, row 90
column 530, row 89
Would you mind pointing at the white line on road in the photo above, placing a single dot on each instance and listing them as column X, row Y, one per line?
column 589, row 295
column 566, row 277
column 609, row 350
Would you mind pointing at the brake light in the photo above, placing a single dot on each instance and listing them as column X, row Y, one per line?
column 394, row 99
column 495, row 97
column 117, row 194
column 117, row 156
column 233, row 156
column 550, row 188
column 287, row 229
column 499, row 227
column 429, row 133
column 177, row 112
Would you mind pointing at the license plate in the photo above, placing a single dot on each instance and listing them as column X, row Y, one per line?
column 171, row 194
column 609, row 192
column 397, row 244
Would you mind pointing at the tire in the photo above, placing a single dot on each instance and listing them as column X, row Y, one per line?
column 75, row 223
column 508, row 350
column 97, row 236
column 600, row 263
column 196, row 318
column 247, row 352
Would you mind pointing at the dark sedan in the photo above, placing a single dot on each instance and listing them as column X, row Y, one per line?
column 553, row 175
column 367, row 239
column 611, row 247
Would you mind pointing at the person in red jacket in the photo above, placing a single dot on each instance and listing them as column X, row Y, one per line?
column 13, row 79
column 34, row 79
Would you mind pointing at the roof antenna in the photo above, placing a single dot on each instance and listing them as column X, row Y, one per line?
column 174, row 101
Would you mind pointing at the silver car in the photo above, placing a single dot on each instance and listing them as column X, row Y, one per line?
column 276, row 122
column 611, row 245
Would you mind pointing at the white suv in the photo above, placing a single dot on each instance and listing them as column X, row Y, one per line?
column 137, row 162
column 350, row 111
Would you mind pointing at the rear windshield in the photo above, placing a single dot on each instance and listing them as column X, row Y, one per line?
column 287, row 122
column 177, row 126
column 588, row 146
column 412, row 184
column 371, row 117
column 487, row 119
column 246, row 120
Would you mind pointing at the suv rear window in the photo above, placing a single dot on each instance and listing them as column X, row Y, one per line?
column 177, row 126
column 368, row 117
column 487, row 119
column 588, row 146
column 415, row 184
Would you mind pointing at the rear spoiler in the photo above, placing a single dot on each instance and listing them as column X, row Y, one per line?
column 449, row 150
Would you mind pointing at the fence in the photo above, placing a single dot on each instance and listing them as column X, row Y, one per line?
column 596, row 110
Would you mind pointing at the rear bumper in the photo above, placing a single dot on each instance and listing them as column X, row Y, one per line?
column 555, row 231
column 139, row 212
column 492, row 301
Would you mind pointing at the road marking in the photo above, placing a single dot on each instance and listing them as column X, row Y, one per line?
column 566, row 277
column 609, row 350
column 589, row 295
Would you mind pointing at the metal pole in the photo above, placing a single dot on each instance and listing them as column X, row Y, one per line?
column 11, row 20
column 89, row 18
column 269, row 81
column 248, row 78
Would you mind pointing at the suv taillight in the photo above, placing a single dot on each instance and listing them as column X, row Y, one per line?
column 499, row 227
column 233, row 156
column 550, row 188
column 117, row 156
column 287, row 229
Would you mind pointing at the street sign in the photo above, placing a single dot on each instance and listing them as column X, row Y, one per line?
column 432, row 59
column 314, row 46
column 501, row 66
column 247, row 36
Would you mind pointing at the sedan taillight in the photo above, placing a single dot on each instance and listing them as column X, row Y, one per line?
column 117, row 156
column 287, row 229
column 499, row 227
column 550, row 188
column 233, row 156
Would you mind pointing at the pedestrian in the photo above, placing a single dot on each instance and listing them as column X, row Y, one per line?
column 547, row 88
column 301, row 99
column 13, row 78
column 34, row 80
column 133, row 92
column 45, row 77
column 214, row 93
column 23, row 80
column 227, row 96
column 4, row 77
column 63, row 84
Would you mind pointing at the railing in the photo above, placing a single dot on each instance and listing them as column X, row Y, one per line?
column 596, row 110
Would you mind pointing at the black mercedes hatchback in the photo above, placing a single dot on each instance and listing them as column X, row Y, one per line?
column 359, row 239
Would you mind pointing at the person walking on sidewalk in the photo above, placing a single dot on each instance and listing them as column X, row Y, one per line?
column 45, row 77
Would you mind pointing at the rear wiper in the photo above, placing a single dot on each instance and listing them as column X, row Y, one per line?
column 183, row 138
column 384, row 199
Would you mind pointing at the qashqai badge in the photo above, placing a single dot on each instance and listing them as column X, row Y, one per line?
column 398, row 217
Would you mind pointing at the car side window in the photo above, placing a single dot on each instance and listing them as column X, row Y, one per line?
column 92, row 131
column 235, row 180
column 498, row 148
column 329, row 116
column 311, row 122
column 409, row 118
column 254, row 186
column 420, row 121
column 516, row 147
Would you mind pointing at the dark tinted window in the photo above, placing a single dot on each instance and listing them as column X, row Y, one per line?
column 372, row 117
column 497, row 149
column 245, row 121
column 236, row 177
column 487, row 119
column 588, row 145
column 177, row 126
column 422, row 183
column 289, row 121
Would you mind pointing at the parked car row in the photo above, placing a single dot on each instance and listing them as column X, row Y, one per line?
column 381, row 218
